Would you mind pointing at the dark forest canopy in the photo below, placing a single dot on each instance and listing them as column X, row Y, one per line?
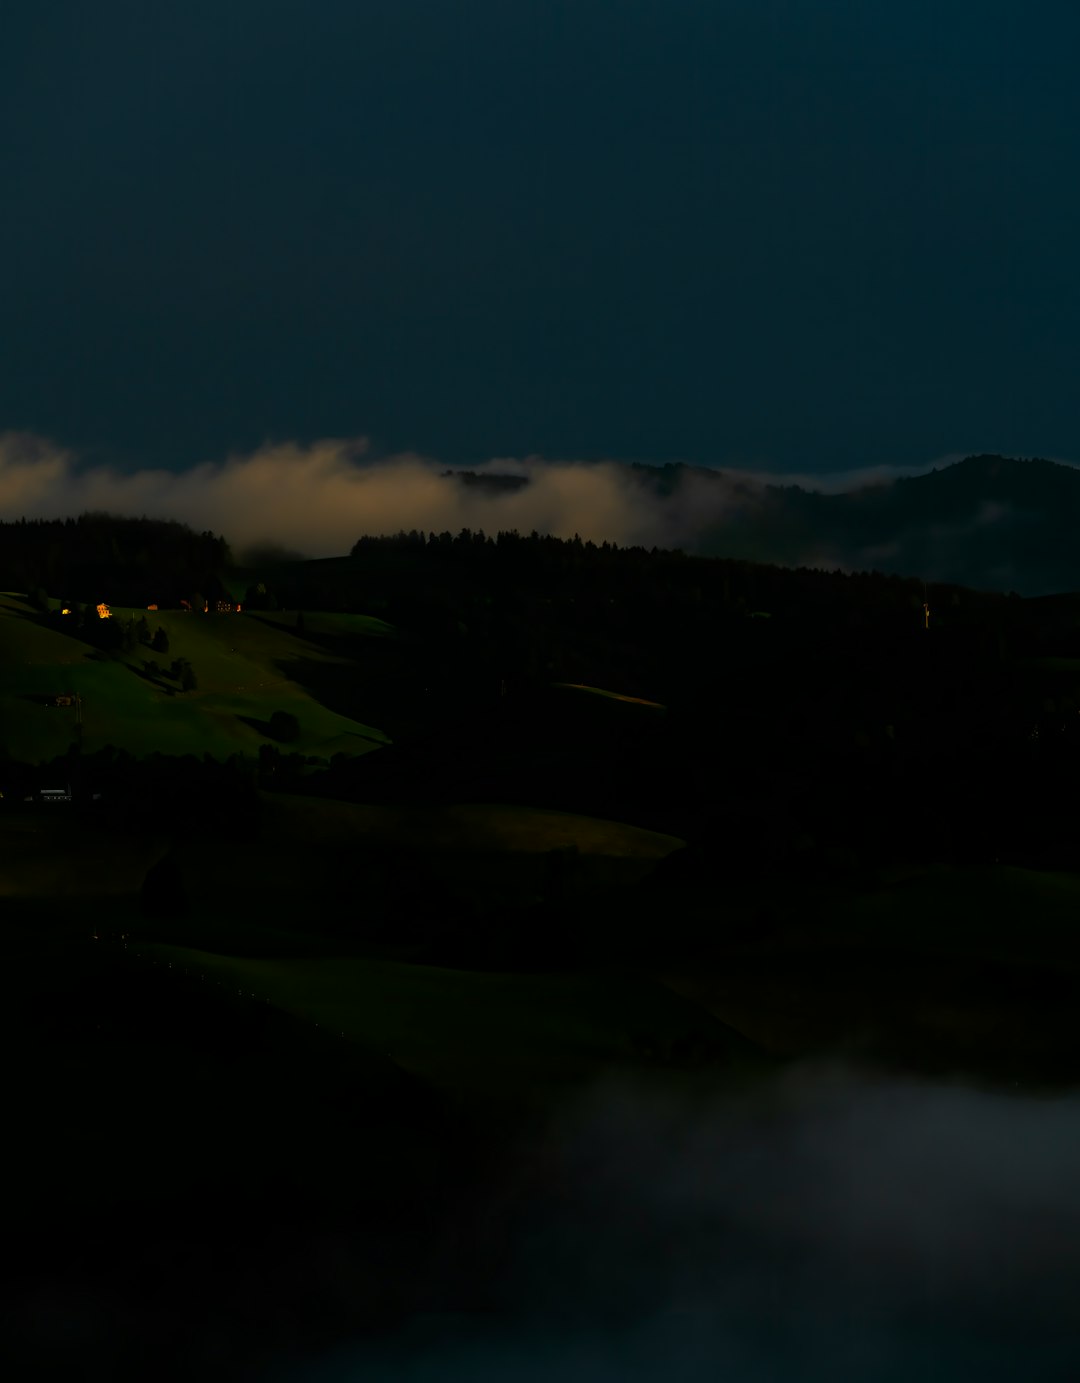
column 126, row 561
column 137, row 561
column 651, row 575
column 140, row 561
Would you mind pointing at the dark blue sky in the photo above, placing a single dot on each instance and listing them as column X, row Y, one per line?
column 770, row 232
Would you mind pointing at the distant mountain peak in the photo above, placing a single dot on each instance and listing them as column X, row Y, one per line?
column 989, row 521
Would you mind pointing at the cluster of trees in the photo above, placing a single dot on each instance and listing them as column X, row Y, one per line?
column 912, row 738
column 125, row 635
column 111, row 634
column 612, row 581
column 536, row 556
column 156, row 639
column 483, row 616
column 534, row 608
column 259, row 597
column 179, row 670
column 291, row 771
column 433, row 583
column 133, row 561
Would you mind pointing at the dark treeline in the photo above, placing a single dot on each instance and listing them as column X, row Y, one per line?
column 519, row 610
column 568, row 596
column 648, row 579
column 800, row 704
column 126, row 561
column 820, row 698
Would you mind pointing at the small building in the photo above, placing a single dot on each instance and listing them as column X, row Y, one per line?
column 103, row 611
column 226, row 607
column 64, row 794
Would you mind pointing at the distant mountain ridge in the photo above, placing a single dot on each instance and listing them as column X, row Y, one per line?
column 990, row 522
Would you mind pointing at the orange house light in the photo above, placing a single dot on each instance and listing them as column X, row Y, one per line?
column 103, row 612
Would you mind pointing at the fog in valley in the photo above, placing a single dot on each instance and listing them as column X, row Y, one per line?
column 833, row 1226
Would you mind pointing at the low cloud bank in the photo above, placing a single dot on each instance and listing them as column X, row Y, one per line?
column 839, row 1228
column 316, row 500
column 319, row 498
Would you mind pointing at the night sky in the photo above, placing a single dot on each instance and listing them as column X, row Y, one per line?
column 791, row 236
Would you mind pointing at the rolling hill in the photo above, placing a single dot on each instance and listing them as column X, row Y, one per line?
column 246, row 667
column 989, row 522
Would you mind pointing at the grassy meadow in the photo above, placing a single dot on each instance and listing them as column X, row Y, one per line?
column 237, row 659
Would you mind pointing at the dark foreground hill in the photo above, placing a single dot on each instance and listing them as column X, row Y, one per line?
column 458, row 1033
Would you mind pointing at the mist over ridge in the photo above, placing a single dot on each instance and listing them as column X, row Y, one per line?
column 988, row 521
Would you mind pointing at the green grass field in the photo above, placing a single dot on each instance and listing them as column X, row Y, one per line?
column 237, row 661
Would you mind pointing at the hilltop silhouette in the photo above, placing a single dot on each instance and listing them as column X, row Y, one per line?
column 988, row 522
